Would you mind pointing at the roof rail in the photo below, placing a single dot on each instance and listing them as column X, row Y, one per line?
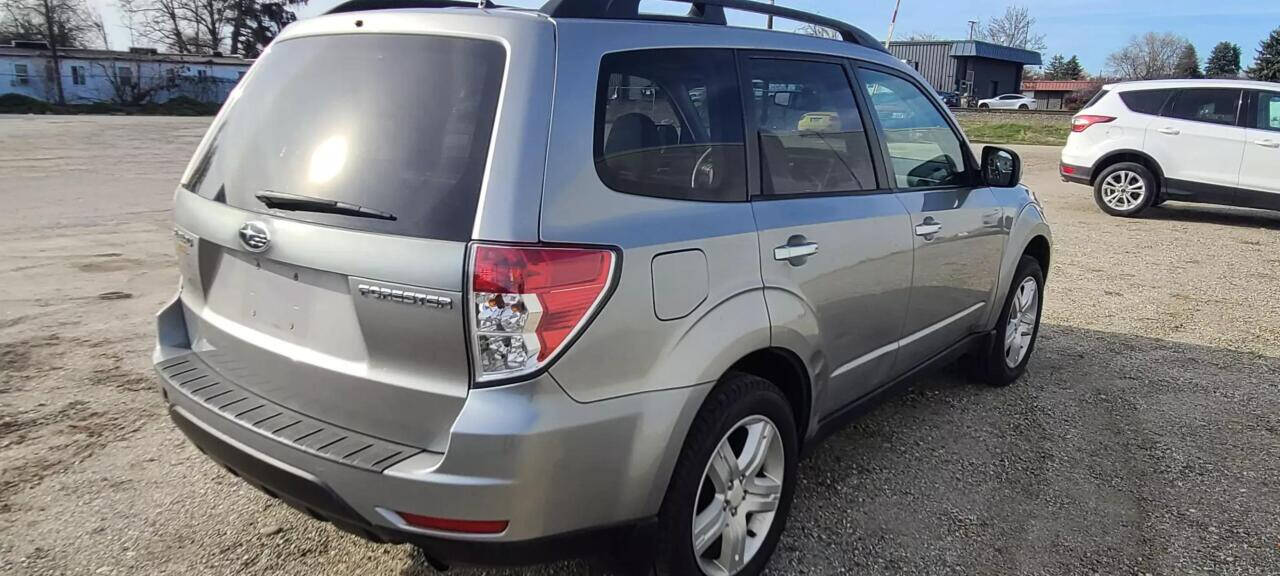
column 704, row 12
column 361, row 5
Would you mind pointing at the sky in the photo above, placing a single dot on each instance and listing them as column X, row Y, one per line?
column 1091, row 29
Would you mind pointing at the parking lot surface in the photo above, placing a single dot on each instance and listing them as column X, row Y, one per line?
column 1145, row 438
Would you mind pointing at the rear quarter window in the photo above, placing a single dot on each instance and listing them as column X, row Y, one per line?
column 669, row 124
column 394, row 123
column 1145, row 101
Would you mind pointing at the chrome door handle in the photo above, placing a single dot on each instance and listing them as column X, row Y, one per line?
column 790, row 251
column 1169, row 131
column 1267, row 143
column 928, row 228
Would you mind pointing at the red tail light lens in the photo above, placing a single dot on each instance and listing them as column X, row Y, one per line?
column 1084, row 121
column 451, row 525
column 527, row 301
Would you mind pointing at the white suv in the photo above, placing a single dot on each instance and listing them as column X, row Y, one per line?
column 1141, row 143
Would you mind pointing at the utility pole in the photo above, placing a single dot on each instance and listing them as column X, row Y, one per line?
column 973, row 29
column 892, row 22
column 769, row 23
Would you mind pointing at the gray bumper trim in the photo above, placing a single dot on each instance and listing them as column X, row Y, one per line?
column 189, row 375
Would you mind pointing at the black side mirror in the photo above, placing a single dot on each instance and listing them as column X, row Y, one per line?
column 1001, row 167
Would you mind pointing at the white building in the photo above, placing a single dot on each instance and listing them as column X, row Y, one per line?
column 137, row 76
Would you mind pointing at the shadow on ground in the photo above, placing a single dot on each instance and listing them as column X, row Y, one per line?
column 1117, row 454
column 1210, row 214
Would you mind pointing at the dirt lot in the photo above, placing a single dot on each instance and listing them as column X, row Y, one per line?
column 1145, row 439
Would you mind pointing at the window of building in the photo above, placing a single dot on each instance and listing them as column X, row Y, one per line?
column 202, row 73
column 1145, row 101
column 21, row 74
column 923, row 149
column 77, row 75
column 1212, row 105
column 669, row 124
column 810, row 134
column 1268, row 113
column 125, row 75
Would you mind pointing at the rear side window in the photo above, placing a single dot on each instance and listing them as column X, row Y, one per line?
column 923, row 149
column 1212, row 105
column 669, row 124
column 395, row 123
column 810, row 134
column 1145, row 101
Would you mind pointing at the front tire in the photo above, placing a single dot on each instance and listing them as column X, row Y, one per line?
column 1125, row 189
column 1005, row 360
column 730, row 493
column 1024, row 107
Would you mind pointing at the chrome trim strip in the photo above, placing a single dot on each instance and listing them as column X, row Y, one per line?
column 940, row 325
column 894, row 346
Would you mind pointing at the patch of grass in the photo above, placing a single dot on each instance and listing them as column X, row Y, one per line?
column 1015, row 133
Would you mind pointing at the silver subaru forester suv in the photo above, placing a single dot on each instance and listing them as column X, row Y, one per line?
column 512, row 285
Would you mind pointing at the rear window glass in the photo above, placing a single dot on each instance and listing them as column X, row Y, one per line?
column 399, row 124
column 1096, row 97
column 1145, row 101
column 669, row 124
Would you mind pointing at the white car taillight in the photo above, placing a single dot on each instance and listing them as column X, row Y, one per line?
column 528, row 301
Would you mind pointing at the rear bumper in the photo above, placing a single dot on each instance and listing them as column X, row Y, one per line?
column 570, row 479
column 1076, row 174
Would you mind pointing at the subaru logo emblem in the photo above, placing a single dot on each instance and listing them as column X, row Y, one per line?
column 254, row 236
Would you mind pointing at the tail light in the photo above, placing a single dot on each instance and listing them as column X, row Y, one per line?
column 451, row 525
column 1084, row 121
column 528, row 301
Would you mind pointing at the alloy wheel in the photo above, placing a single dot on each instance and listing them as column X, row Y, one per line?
column 1124, row 190
column 738, row 496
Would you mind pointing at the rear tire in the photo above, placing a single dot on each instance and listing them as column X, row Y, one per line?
column 1024, row 107
column 735, row 415
column 1006, row 358
column 1125, row 189
column 984, row 106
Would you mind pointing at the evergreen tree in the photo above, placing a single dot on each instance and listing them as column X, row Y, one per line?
column 1073, row 70
column 1224, row 61
column 1054, row 70
column 1188, row 63
column 1266, row 66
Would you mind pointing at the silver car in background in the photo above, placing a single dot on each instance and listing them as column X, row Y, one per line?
column 513, row 285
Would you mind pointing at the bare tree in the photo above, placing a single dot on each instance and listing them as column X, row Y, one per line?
column 241, row 27
column 923, row 37
column 819, row 31
column 1147, row 57
column 136, row 87
column 1016, row 28
column 58, row 23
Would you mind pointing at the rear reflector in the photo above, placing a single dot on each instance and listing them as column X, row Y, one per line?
column 1067, row 169
column 1084, row 121
column 458, row 526
column 527, row 301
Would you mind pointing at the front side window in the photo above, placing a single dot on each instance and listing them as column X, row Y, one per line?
column 77, row 75
column 1267, row 116
column 1145, row 101
column 669, row 124
column 810, row 134
column 21, row 74
column 1212, row 105
column 923, row 149
column 126, row 76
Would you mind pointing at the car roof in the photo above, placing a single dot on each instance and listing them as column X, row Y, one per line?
column 1188, row 83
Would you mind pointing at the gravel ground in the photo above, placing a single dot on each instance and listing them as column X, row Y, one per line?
column 1145, row 438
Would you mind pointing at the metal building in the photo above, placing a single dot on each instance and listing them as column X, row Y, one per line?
column 969, row 67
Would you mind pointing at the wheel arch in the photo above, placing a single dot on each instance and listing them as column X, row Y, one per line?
column 1128, row 155
column 784, row 369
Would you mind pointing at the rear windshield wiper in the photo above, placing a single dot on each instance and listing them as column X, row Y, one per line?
column 294, row 202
